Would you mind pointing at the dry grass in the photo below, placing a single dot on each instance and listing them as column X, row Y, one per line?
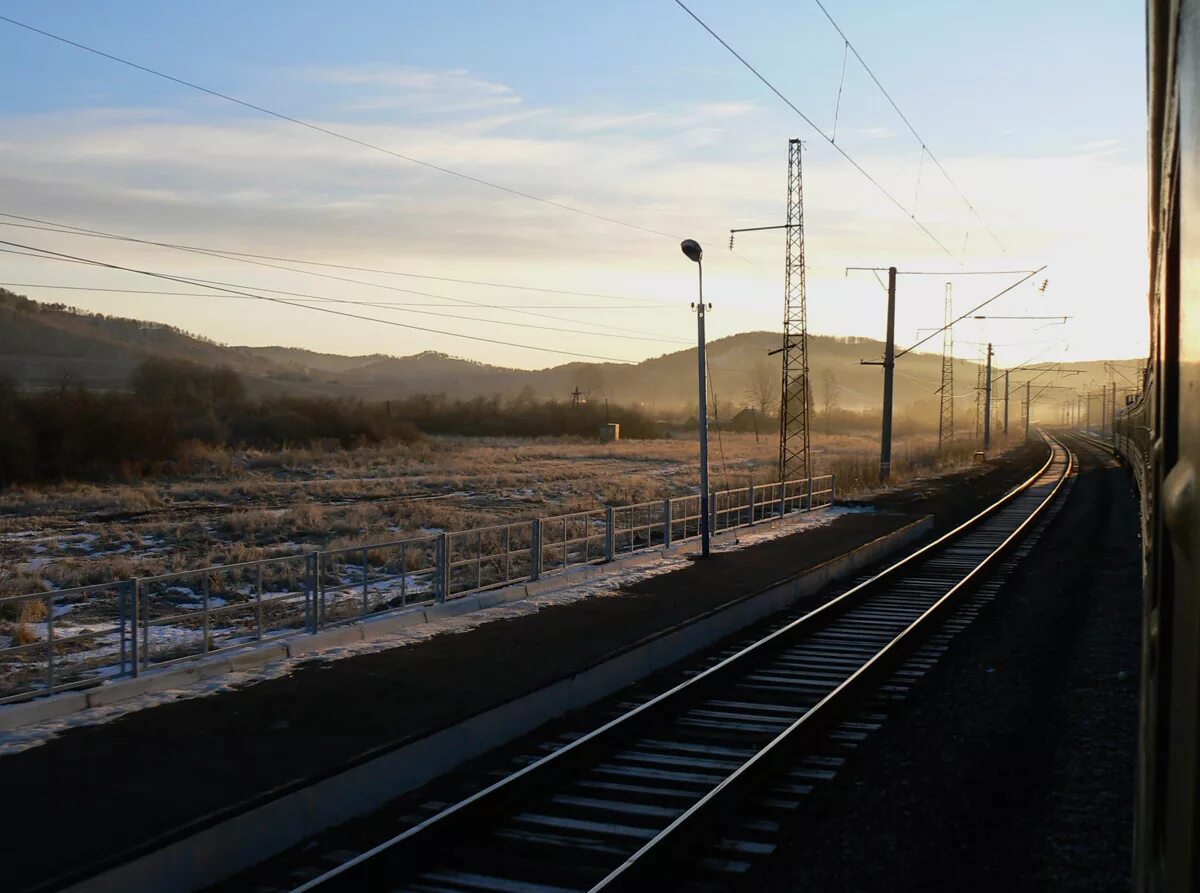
column 221, row 507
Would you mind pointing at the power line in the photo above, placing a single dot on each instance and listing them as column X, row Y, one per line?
column 924, row 147
column 70, row 230
column 211, row 283
column 809, row 121
column 200, row 294
column 315, row 263
column 386, row 322
column 977, row 307
column 341, row 136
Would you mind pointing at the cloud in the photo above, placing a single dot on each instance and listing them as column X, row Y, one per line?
column 1099, row 146
column 878, row 132
column 385, row 87
column 267, row 186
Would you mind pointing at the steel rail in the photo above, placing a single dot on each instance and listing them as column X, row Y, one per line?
column 451, row 823
column 634, row 871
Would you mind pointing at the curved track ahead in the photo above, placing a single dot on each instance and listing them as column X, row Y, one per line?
column 623, row 806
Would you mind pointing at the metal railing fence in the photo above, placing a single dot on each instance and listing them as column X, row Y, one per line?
column 71, row 638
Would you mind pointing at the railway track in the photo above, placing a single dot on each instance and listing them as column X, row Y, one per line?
column 705, row 775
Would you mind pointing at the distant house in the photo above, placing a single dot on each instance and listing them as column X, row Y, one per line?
column 749, row 419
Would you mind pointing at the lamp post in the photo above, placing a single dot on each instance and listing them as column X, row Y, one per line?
column 694, row 252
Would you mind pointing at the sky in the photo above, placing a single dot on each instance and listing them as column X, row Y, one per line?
column 626, row 110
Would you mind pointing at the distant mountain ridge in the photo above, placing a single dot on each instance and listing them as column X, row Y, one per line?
column 48, row 346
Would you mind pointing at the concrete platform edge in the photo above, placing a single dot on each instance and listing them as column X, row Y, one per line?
column 218, row 852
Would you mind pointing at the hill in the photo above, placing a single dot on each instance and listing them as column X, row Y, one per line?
column 48, row 346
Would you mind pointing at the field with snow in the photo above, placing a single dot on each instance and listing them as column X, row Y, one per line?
column 228, row 507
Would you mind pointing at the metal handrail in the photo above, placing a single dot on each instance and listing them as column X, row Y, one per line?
column 130, row 604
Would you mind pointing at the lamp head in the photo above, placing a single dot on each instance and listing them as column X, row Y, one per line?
column 692, row 249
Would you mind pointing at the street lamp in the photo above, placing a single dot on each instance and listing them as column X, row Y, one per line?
column 694, row 252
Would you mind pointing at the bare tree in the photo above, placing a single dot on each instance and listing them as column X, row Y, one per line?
column 762, row 386
column 590, row 380
column 831, row 392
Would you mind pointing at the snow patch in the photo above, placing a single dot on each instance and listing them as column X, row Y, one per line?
column 607, row 583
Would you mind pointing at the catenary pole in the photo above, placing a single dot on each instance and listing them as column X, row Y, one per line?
column 1006, row 371
column 987, row 402
column 889, row 370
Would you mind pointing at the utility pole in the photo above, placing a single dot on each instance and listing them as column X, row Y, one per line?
column 1113, row 420
column 987, row 402
column 1006, row 371
column 889, row 368
column 1028, row 410
column 979, row 367
column 946, row 414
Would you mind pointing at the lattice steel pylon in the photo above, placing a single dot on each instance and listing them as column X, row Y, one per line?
column 795, row 399
column 946, row 419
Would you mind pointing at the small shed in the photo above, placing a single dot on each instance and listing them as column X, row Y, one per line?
column 610, row 432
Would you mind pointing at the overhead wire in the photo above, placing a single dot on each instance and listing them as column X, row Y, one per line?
column 320, row 309
column 82, row 231
column 809, row 121
column 45, row 224
column 306, row 297
column 712, row 391
column 197, row 294
column 977, row 307
column 336, row 134
column 924, row 147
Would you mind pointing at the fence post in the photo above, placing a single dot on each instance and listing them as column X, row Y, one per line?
column 750, row 500
column 610, row 529
column 134, row 597
column 832, row 487
column 122, row 622
column 258, row 614
column 50, row 643
column 366, row 592
column 310, row 591
column 443, row 567
column 782, row 498
column 204, row 613
column 712, row 510
column 535, row 550
column 320, row 588
column 810, row 506
column 145, row 608
column 666, row 524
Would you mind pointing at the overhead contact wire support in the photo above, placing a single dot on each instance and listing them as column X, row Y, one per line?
column 794, row 446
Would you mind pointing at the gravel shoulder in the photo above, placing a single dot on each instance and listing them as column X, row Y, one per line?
column 1013, row 767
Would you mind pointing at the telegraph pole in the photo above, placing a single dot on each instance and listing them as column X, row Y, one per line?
column 1028, row 410
column 1006, row 371
column 987, row 402
column 1113, row 420
column 946, row 409
column 889, row 368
